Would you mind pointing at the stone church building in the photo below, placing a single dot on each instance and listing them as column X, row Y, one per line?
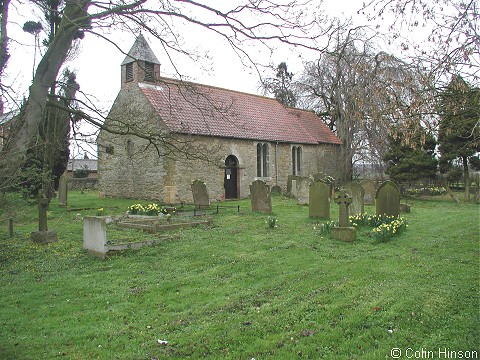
column 162, row 134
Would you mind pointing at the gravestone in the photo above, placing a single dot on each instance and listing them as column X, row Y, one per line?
column 319, row 204
column 43, row 203
column 387, row 199
column 293, row 189
column 303, row 185
column 62, row 190
column 330, row 181
column 343, row 231
column 355, row 190
column 344, row 200
column 200, row 194
column 261, row 197
column 369, row 188
column 43, row 235
column 95, row 236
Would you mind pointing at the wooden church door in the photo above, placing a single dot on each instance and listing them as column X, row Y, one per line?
column 231, row 177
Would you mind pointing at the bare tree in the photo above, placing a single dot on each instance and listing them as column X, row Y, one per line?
column 453, row 43
column 360, row 93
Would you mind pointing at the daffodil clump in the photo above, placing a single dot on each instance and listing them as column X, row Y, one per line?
column 100, row 212
column 386, row 231
column 384, row 226
column 366, row 219
column 324, row 228
column 152, row 209
column 271, row 222
column 427, row 191
column 136, row 209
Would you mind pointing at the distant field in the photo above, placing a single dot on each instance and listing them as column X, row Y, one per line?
column 238, row 289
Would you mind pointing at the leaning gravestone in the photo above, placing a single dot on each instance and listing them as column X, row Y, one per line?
column 319, row 204
column 387, row 199
column 261, row 197
column 355, row 190
column 369, row 187
column 62, row 190
column 200, row 194
column 303, row 185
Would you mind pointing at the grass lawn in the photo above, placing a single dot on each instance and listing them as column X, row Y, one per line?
column 238, row 289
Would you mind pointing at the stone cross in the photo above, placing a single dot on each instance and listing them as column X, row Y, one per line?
column 43, row 202
column 343, row 200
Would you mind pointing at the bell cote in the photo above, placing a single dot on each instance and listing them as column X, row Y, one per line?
column 140, row 65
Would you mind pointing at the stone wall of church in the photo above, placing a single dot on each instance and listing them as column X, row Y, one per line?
column 125, row 168
column 145, row 175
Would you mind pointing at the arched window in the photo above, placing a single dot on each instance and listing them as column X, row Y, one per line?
column 296, row 160
column 262, row 160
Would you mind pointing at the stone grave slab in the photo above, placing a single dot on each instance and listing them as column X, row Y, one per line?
column 369, row 188
column 303, row 190
column 319, row 200
column 63, row 190
column 200, row 194
column 261, row 197
column 356, row 191
column 387, row 199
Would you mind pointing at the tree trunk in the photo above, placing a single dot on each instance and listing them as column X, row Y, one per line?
column 466, row 177
column 4, row 56
column 74, row 17
column 346, row 164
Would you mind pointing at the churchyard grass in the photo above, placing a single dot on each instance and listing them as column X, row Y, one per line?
column 241, row 289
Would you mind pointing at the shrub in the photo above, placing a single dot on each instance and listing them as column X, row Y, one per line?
column 81, row 173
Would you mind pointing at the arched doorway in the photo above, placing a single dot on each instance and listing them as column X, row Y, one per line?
column 230, row 179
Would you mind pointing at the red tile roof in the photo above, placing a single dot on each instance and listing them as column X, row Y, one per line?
column 205, row 110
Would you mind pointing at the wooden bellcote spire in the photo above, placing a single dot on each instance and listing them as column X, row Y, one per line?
column 140, row 65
